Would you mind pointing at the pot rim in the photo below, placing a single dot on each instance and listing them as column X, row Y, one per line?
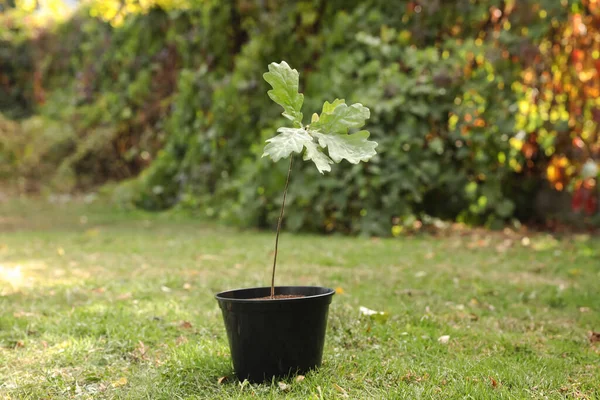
column 328, row 293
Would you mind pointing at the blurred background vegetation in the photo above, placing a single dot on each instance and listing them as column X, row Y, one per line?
column 486, row 112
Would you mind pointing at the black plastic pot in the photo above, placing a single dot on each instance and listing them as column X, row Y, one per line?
column 272, row 338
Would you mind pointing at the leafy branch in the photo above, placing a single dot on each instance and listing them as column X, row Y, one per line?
column 328, row 131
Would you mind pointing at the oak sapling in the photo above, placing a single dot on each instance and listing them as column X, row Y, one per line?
column 276, row 335
column 331, row 136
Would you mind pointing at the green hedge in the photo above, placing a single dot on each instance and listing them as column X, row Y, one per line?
column 408, row 69
column 179, row 95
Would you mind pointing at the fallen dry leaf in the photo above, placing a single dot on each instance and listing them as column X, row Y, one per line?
column 368, row 312
column 479, row 243
column 378, row 316
column 584, row 309
column 283, row 386
column 493, row 382
column 444, row 339
column 339, row 290
column 139, row 353
column 185, row 325
column 412, row 377
column 575, row 271
column 60, row 251
column 504, row 246
column 181, row 340
column 124, row 296
column 92, row 232
column 99, row 290
column 221, row 380
column 299, row 378
column 187, row 286
column 19, row 344
column 119, row 382
column 21, row 314
column 340, row 389
column 594, row 337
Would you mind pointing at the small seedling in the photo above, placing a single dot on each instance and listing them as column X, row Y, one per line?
column 327, row 139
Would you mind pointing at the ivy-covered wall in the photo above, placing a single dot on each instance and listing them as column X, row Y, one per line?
column 478, row 107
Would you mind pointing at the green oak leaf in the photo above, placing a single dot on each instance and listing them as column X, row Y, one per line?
column 294, row 140
column 341, row 118
column 285, row 82
column 320, row 159
column 329, row 107
column 289, row 140
column 354, row 148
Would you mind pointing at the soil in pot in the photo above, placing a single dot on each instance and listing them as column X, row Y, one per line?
column 280, row 296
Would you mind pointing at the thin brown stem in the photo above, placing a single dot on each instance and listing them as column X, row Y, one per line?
column 287, row 181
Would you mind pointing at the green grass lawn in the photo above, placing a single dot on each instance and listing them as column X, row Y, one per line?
column 100, row 303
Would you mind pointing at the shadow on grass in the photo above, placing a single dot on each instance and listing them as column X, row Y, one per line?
column 198, row 367
column 206, row 368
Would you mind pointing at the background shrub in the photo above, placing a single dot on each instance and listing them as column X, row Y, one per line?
column 478, row 106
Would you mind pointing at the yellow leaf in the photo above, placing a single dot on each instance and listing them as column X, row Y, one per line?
column 552, row 173
column 516, row 143
column 339, row 290
column 120, row 382
column 92, row 232
column 26, row 5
